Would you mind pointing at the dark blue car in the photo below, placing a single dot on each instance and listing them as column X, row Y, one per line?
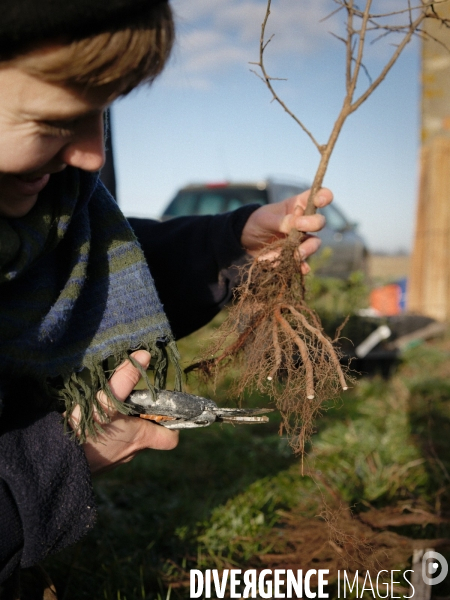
column 348, row 249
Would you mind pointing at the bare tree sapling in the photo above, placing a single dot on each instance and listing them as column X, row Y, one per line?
column 271, row 336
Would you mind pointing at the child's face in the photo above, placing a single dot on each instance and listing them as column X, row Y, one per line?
column 43, row 128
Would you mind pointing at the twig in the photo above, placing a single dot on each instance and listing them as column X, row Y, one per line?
column 267, row 80
column 354, row 53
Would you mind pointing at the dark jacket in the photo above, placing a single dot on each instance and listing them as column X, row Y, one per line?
column 46, row 496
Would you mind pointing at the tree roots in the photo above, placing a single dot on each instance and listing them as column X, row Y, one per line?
column 277, row 343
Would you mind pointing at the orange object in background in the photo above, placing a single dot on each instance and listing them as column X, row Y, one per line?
column 386, row 300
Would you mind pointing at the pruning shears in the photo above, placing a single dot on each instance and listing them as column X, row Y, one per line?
column 178, row 410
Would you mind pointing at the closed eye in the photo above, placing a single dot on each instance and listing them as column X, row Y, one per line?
column 63, row 129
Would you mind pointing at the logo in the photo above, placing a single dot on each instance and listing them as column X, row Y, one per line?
column 431, row 561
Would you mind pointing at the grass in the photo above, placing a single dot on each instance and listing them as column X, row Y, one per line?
column 145, row 507
column 148, row 508
column 221, row 496
column 368, row 457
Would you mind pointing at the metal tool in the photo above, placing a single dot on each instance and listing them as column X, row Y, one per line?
column 177, row 410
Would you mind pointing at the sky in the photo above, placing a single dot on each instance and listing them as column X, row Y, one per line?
column 208, row 118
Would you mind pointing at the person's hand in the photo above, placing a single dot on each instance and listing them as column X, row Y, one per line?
column 124, row 436
column 274, row 221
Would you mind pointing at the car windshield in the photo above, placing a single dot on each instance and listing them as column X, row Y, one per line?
column 281, row 191
column 211, row 201
column 335, row 220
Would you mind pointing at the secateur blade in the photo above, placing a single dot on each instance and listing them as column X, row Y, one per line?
column 241, row 416
column 178, row 410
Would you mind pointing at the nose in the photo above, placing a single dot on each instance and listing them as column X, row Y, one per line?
column 87, row 148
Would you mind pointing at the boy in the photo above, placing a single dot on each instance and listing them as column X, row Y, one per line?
column 75, row 286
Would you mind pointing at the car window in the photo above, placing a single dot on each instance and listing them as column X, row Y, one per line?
column 183, row 204
column 281, row 191
column 234, row 203
column 334, row 218
column 212, row 202
column 226, row 199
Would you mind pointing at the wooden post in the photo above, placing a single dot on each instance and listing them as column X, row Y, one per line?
column 429, row 285
column 429, row 290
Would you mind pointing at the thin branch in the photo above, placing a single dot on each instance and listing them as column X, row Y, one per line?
column 265, row 77
column 334, row 12
column 383, row 35
column 349, row 48
column 368, row 23
column 366, row 71
column 268, row 41
column 424, row 5
column 389, row 64
column 359, row 56
column 338, row 37
column 445, row 22
column 425, row 35
column 262, row 78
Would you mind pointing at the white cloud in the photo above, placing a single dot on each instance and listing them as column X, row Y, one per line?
column 216, row 35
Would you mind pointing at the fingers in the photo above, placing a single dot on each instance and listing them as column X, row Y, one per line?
column 305, row 268
column 126, row 375
column 302, row 223
column 157, row 437
column 124, row 379
column 309, row 246
column 294, row 217
column 147, row 434
column 323, row 197
column 122, row 436
column 122, row 439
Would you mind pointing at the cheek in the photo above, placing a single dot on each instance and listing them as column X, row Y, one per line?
column 19, row 154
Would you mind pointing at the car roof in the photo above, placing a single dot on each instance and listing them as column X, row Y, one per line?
column 261, row 184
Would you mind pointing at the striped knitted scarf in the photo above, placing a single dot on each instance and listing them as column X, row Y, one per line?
column 75, row 290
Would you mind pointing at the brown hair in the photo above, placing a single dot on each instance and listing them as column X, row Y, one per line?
column 123, row 58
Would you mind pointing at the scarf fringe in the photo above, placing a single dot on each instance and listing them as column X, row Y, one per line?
column 85, row 414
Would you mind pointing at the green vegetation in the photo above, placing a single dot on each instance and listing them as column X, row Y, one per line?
column 220, row 498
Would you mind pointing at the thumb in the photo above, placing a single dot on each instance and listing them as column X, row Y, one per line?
column 288, row 221
column 126, row 376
